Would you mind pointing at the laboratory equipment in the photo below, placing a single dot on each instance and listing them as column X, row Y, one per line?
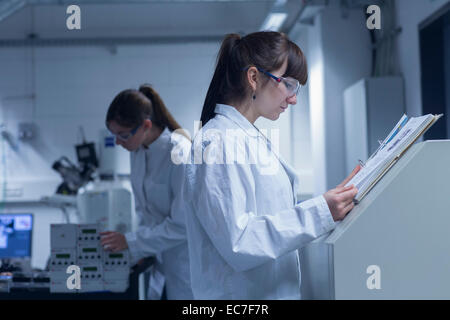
column 74, row 177
column 15, row 241
column 114, row 160
column 79, row 245
column 109, row 203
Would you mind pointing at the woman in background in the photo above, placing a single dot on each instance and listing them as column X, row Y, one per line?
column 142, row 125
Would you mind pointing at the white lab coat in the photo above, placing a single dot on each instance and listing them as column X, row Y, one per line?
column 156, row 183
column 243, row 224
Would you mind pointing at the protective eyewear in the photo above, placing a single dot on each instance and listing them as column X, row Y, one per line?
column 292, row 85
column 126, row 136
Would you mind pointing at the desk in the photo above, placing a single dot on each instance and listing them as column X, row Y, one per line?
column 132, row 293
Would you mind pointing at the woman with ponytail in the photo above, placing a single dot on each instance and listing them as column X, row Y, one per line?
column 243, row 221
column 142, row 124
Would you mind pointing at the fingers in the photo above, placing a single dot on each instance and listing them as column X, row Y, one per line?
column 352, row 174
column 110, row 245
column 343, row 189
column 112, row 241
column 340, row 201
column 349, row 207
column 348, row 194
column 341, row 192
column 107, row 234
column 108, row 239
column 348, row 202
column 116, row 249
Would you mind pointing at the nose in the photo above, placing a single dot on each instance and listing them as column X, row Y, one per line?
column 292, row 100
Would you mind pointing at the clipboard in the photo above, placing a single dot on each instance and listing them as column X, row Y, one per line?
column 390, row 164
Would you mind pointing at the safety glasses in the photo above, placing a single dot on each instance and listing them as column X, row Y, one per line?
column 292, row 85
column 126, row 136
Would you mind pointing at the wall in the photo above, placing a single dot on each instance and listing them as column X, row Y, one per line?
column 73, row 87
column 447, row 68
column 339, row 55
column 301, row 128
column 409, row 15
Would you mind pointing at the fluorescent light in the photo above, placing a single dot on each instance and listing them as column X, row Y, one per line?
column 274, row 21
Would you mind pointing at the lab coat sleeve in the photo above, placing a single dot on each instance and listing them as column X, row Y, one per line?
column 171, row 232
column 222, row 197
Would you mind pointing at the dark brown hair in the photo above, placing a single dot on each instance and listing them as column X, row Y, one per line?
column 131, row 107
column 266, row 49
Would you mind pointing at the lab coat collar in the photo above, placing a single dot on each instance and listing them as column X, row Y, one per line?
column 155, row 145
column 233, row 114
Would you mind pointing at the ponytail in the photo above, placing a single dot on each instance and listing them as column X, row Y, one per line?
column 216, row 90
column 161, row 117
column 131, row 107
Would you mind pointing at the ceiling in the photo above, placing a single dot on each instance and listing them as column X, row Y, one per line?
column 43, row 22
column 170, row 19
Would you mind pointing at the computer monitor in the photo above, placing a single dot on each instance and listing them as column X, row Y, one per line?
column 15, row 235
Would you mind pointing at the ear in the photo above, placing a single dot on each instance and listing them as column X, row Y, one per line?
column 252, row 77
column 148, row 124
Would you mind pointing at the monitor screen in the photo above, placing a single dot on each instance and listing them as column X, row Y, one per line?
column 15, row 235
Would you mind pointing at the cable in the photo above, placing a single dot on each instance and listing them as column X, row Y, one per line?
column 3, row 158
column 81, row 132
column 384, row 47
column 33, row 67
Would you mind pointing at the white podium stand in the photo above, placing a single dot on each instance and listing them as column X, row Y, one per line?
column 402, row 226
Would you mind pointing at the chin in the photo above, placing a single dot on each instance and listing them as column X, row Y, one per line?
column 272, row 117
column 275, row 117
